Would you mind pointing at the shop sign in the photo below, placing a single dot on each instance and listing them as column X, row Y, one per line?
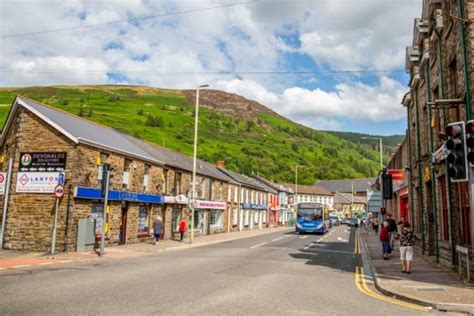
column 259, row 206
column 179, row 199
column 3, row 180
column 211, row 205
column 42, row 161
column 96, row 194
column 38, row 182
column 397, row 174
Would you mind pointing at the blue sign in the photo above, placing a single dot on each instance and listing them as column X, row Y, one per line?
column 95, row 194
column 254, row 206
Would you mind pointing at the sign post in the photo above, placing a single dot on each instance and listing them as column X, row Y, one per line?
column 58, row 194
column 5, row 201
column 106, row 170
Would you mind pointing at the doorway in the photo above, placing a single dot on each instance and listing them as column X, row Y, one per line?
column 123, row 224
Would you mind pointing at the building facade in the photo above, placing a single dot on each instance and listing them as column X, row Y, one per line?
column 439, row 62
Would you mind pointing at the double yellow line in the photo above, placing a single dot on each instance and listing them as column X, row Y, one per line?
column 361, row 284
column 357, row 243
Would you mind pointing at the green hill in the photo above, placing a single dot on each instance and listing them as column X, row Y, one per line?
column 249, row 137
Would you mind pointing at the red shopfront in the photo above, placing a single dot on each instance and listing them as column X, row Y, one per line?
column 404, row 202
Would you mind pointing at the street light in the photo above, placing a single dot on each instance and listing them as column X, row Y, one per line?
column 380, row 148
column 296, row 183
column 196, row 117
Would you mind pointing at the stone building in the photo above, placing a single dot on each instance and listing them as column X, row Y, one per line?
column 349, row 205
column 273, row 201
column 253, row 209
column 439, row 63
column 284, row 202
column 312, row 193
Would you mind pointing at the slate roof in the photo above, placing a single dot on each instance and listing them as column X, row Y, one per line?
column 183, row 162
column 308, row 189
column 346, row 198
column 80, row 130
column 268, row 188
column 243, row 180
column 274, row 185
column 360, row 185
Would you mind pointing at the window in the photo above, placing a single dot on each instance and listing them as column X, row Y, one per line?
column 444, row 208
column 177, row 183
column 216, row 219
column 255, row 217
column 126, row 173
column 236, row 193
column 247, row 218
column 145, row 177
column 164, row 181
column 234, row 216
column 143, row 220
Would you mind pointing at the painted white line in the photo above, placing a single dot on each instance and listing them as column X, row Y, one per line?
column 45, row 263
column 65, row 261
column 319, row 239
column 303, row 237
column 263, row 243
column 307, row 247
column 22, row 266
column 277, row 239
column 2, row 268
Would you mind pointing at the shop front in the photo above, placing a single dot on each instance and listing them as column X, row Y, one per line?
column 129, row 215
column 209, row 217
column 176, row 209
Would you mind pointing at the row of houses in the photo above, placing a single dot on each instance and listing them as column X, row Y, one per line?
column 48, row 146
column 439, row 63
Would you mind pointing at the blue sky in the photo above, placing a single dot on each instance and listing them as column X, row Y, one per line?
column 187, row 43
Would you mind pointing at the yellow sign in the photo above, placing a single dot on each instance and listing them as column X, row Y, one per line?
column 427, row 174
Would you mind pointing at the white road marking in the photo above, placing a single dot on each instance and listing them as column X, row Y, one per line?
column 22, row 266
column 336, row 251
column 307, row 247
column 277, row 239
column 263, row 243
column 65, row 261
column 45, row 263
column 2, row 268
column 319, row 239
column 304, row 237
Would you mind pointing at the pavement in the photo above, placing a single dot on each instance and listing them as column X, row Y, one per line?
column 428, row 284
column 275, row 272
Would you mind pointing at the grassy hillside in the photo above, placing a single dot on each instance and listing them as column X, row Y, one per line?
column 268, row 144
column 389, row 143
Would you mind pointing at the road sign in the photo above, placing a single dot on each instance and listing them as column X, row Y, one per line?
column 3, row 178
column 42, row 161
column 59, row 191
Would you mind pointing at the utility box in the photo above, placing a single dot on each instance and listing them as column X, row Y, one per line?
column 86, row 235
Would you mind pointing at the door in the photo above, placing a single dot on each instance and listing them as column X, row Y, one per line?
column 123, row 225
column 404, row 207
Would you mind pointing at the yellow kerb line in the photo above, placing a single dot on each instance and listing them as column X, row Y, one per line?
column 362, row 286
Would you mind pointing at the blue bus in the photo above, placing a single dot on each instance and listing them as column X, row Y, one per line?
column 310, row 218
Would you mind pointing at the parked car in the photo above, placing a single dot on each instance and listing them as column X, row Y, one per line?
column 344, row 221
column 353, row 222
column 335, row 221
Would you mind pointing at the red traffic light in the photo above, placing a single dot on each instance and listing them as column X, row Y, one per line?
column 470, row 127
column 453, row 130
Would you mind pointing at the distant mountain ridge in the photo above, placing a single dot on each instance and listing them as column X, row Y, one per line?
column 249, row 137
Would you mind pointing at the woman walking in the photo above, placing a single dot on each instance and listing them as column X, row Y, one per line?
column 157, row 227
column 376, row 225
column 182, row 228
column 385, row 240
column 407, row 241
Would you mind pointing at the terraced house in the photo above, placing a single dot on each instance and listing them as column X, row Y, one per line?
column 48, row 146
column 439, row 62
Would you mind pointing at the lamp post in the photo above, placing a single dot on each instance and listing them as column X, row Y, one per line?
column 193, row 188
column 380, row 148
column 296, row 183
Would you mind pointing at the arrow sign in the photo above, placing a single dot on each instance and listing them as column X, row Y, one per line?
column 59, row 191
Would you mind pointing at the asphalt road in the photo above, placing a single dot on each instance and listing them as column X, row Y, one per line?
column 278, row 273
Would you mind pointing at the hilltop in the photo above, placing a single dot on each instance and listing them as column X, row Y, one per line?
column 248, row 136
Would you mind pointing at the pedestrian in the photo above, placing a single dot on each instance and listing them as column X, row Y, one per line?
column 182, row 228
column 385, row 240
column 392, row 230
column 375, row 226
column 402, row 222
column 407, row 242
column 157, row 227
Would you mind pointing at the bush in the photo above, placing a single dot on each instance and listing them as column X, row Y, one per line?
column 154, row 121
column 140, row 112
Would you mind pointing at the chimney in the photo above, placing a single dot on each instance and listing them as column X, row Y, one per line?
column 220, row 164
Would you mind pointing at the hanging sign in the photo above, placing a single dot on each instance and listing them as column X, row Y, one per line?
column 37, row 182
column 42, row 161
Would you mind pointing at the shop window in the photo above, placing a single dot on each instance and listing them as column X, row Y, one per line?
column 216, row 219
column 126, row 173
column 143, row 220
column 465, row 214
column 164, row 181
column 145, row 177
column 234, row 216
column 264, row 217
column 247, row 218
column 255, row 217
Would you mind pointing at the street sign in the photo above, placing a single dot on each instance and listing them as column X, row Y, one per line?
column 42, row 161
column 3, row 180
column 59, row 191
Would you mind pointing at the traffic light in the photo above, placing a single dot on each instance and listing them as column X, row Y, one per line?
column 470, row 142
column 387, row 186
column 456, row 146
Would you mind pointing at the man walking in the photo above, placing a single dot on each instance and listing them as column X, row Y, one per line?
column 392, row 229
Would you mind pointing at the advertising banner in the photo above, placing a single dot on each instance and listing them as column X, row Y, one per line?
column 38, row 182
column 42, row 161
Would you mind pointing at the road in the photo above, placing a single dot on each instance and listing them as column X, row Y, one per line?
column 277, row 273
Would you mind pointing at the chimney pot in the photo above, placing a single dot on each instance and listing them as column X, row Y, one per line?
column 220, row 164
